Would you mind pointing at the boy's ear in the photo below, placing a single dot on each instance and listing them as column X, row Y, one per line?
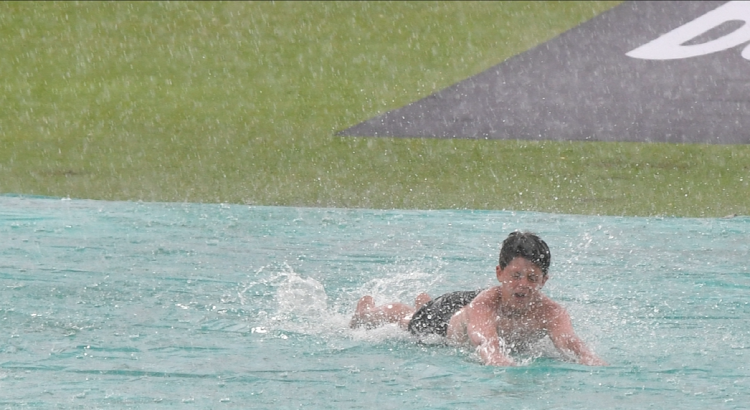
column 498, row 272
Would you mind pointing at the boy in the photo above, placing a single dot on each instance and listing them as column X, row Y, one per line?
column 513, row 314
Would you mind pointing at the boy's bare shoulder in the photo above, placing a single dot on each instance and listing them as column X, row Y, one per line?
column 488, row 297
column 552, row 311
column 549, row 303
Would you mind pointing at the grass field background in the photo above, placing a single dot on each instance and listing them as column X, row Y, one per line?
column 239, row 103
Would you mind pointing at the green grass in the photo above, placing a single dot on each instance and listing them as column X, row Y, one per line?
column 239, row 103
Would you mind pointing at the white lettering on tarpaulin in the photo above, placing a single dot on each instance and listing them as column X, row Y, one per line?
column 671, row 46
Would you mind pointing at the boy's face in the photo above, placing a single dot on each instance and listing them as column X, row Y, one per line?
column 522, row 282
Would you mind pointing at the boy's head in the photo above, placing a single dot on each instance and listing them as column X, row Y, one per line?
column 528, row 246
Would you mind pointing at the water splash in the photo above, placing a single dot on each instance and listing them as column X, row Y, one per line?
column 302, row 298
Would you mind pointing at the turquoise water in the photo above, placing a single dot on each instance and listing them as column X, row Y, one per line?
column 150, row 305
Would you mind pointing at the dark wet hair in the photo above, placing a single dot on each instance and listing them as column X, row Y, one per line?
column 528, row 246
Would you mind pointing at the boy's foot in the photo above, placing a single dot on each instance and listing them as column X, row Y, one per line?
column 364, row 306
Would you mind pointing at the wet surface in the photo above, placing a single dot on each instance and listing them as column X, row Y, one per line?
column 131, row 304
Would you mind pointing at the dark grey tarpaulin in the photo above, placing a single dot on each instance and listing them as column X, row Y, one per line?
column 686, row 79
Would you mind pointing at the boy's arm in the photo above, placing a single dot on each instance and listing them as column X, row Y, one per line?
column 564, row 338
column 482, row 331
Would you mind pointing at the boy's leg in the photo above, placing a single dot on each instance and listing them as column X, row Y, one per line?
column 368, row 315
column 421, row 300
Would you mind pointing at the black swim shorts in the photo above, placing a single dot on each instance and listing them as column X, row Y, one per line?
column 433, row 317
